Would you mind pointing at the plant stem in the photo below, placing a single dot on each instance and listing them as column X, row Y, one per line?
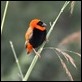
column 41, row 48
column 4, row 15
column 20, row 71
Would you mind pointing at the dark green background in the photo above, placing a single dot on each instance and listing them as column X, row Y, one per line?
column 48, row 67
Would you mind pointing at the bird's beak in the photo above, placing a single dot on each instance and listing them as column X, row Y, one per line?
column 44, row 25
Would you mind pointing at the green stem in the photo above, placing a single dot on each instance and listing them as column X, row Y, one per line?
column 4, row 15
column 20, row 71
column 41, row 48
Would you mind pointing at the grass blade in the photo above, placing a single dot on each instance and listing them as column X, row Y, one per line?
column 4, row 15
column 65, row 67
column 17, row 62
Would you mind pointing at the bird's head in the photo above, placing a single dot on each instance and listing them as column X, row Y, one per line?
column 38, row 24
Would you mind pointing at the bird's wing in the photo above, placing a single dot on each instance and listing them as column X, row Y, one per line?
column 28, row 35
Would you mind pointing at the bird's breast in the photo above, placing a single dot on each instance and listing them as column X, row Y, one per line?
column 37, row 38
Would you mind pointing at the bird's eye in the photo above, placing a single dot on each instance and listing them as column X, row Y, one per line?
column 40, row 23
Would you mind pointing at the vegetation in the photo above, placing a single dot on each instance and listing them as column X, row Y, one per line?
column 58, row 54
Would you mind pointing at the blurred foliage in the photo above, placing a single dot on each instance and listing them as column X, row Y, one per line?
column 48, row 67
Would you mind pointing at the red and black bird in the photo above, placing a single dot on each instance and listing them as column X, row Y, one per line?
column 35, row 35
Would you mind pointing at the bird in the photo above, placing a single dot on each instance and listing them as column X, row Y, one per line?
column 35, row 34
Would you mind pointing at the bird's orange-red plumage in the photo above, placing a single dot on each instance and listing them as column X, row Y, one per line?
column 35, row 35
